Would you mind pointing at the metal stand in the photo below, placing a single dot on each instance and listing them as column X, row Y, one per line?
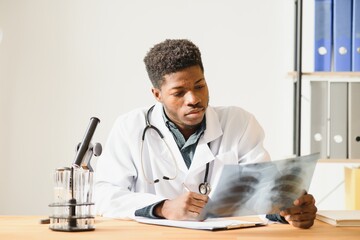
column 72, row 216
column 298, row 81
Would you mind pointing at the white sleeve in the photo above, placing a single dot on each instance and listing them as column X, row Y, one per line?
column 115, row 177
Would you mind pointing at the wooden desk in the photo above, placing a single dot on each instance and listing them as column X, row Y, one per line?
column 28, row 227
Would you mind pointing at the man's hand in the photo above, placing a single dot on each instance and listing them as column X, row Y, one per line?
column 186, row 207
column 303, row 213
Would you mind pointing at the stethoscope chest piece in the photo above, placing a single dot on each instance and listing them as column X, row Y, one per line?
column 204, row 188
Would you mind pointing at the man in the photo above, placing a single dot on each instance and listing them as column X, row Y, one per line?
column 158, row 161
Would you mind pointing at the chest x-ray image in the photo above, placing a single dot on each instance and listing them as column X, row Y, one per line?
column 260, row 188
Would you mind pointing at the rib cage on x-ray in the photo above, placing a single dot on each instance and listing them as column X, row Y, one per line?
column 260, row 188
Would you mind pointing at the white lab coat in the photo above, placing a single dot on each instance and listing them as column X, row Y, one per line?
column 120, row 187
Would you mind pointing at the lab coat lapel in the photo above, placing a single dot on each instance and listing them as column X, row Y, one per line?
column 203, row 153
column 157, row 120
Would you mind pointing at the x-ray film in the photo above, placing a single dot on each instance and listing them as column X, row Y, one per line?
column 260, row 188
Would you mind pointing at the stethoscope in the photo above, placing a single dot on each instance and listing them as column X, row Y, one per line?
column 204, row 187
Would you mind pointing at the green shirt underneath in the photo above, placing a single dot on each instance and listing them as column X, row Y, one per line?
column 186, row 147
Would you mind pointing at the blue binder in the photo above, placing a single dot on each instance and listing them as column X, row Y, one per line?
column 356, row 36
column 342, row 35
column 323, row 35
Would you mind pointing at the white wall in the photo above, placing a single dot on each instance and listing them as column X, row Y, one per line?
column 62, row 62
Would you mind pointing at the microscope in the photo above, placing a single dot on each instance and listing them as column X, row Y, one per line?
column 72, row 209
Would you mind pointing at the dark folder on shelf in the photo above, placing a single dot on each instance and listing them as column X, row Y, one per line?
column 319, row 117
column 342, row 35
column 356, row 36
column 323, row 35
column 338, row 119
column 354, row 120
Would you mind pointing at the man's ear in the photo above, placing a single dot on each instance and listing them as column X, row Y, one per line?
column 157, row 94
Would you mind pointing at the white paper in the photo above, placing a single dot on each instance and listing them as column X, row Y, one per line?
column 209, row 224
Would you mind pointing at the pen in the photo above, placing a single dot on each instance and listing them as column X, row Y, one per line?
column 187, row 189
column 45, row 221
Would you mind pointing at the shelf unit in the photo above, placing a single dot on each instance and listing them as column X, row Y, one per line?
column 303, row 78
column 330, row 180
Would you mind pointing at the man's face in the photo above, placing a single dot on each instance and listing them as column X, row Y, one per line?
column 185, row 97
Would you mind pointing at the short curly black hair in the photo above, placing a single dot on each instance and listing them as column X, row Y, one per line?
column 170, row 56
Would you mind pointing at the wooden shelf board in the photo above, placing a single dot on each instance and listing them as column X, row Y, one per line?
column 327, row 74
column 339, row 161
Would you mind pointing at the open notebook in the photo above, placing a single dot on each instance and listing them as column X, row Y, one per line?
column 209, row 224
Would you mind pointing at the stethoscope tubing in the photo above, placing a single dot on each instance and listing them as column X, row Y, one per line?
column 204, row 188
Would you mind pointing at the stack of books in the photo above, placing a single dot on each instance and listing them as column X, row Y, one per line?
column 340, row 218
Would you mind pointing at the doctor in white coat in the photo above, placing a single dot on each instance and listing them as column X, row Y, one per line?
column 162, row 162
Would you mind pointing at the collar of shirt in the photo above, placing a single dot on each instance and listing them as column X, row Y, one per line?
column 187, row 148
column 179, row 138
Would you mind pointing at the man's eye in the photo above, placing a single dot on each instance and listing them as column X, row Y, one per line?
column 178, row 94
column 199, row 86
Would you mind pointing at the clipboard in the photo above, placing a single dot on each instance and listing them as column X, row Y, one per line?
column 214, row 224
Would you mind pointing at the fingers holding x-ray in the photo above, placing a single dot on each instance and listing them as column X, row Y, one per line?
column 260, row 188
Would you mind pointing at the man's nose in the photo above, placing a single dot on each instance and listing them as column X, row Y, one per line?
column 192, row 98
